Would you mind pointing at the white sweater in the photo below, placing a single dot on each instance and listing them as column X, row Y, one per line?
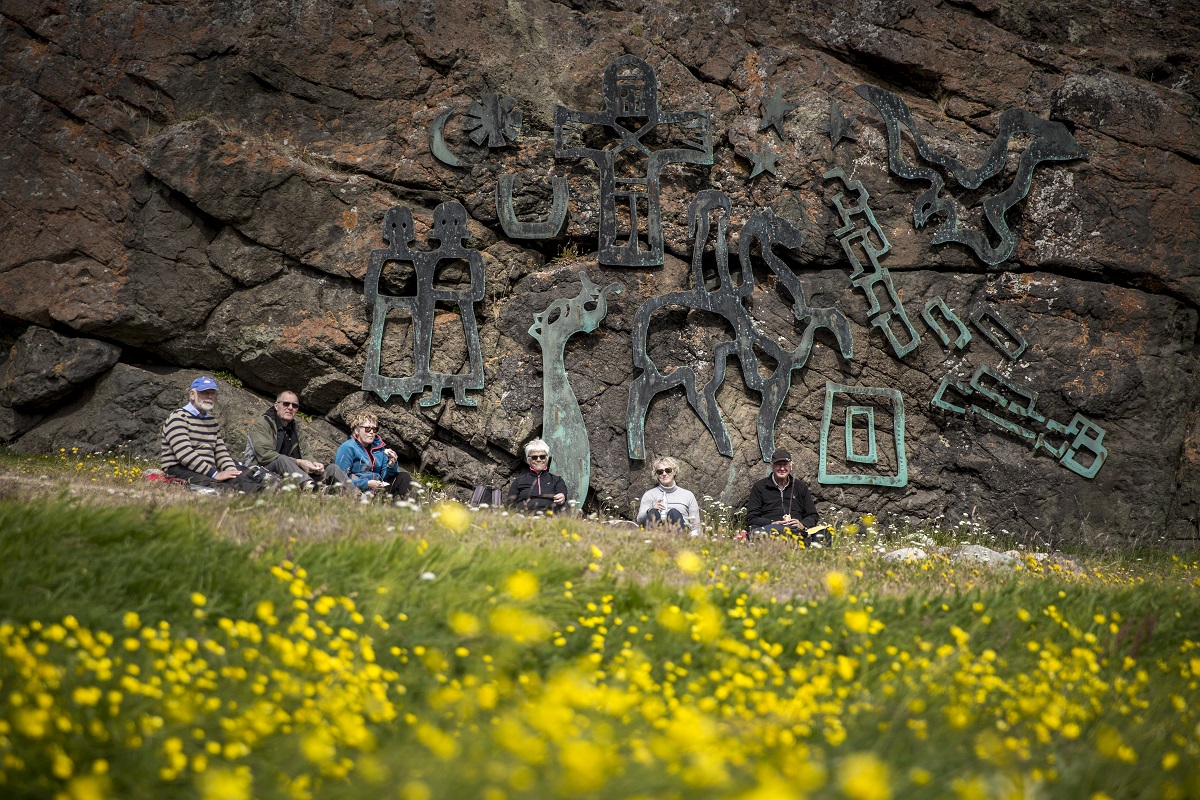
column 676, row 497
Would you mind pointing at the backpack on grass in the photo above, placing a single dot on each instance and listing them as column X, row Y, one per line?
column 487, row 494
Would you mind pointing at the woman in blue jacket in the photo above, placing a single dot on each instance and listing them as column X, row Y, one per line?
column 370, row 463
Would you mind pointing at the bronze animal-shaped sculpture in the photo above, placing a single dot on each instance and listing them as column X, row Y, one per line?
column 767, row 230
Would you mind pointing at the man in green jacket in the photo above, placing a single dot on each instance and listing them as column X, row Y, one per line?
column 276, row 445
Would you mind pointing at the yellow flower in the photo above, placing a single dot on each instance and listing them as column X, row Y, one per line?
column 597, row 552
column 858, row 621
column 672, row 618
column 521, row 585
column 862, row 776
column 318, row 746
column 836, row 583
column 519, row 625
column 440, row 743
column 226, row 784
column 88, row 787
column 415, row 790
column 689, row 562
column 464, row 624
column 62, row 766
column 199, row 599
column 454, row 516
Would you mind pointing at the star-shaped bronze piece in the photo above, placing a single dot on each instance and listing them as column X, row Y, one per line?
column 764, row 160
column 839, row 126
column 774, row 110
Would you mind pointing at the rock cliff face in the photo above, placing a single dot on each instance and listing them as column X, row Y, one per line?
column 199, row 187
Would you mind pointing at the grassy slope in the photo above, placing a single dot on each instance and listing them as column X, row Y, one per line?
column 615, row 662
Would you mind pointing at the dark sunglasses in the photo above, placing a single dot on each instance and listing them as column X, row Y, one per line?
column 368, row 428
column 538, row 457
column 287, row 404
column 666, row 471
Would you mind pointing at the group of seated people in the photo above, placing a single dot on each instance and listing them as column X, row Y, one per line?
column 193, row 451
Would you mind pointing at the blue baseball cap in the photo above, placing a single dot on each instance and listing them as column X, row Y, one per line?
column 204, row 383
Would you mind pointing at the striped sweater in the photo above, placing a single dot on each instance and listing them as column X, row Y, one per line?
column 194, row 443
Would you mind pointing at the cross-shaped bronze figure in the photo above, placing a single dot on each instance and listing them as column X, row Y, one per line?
column 630, row 167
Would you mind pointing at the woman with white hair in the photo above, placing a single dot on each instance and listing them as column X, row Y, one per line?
column 667, row 503
column 537, row 489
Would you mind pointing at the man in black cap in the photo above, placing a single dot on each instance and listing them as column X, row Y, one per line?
column 780, row 503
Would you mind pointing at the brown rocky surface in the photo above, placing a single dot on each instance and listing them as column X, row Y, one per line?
column 200, row 186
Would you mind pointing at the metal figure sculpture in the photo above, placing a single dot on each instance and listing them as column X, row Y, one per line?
column 895, row 404
column 449, row 229
column 938, row 303
column 1051, row 142
column 1011, row 351
column 493, row 118
column 514, row 228
column 767, row 230
column 839, row 125
column 630, row 170
column 437, row 140
column 998, row 400
column 562, row 421
column 774, row 110
column 764, row 161
column 887, row 314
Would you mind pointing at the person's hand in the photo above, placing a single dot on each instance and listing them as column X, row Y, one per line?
column 660, row 504
column 788, row 522
column 310, row 466
column 376, row 484
column 559, row 499
column 226, row 474
column 391, row 456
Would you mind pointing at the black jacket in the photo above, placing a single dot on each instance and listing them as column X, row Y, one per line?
column 532, row 491
column 768, row 503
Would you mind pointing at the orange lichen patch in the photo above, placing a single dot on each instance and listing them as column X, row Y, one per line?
column 1191, row 450
column 350, row 219
column 323, row 331
column 1124, row 301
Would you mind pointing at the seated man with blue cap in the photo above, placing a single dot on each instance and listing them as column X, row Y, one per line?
column 193, row 450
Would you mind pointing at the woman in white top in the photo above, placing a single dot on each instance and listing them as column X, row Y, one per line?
column 668, row 503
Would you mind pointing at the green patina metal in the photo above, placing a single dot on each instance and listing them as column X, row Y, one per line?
column 449, row 230
column 767, row 230
column 562, row 421
column 995, row 398
column 514, row 228
column 1013, row 348
column 631, row 165
column 872, row 455
column 888, row 313
column 1051, row 141
column 896, row 405
column 964, row 335
column 437, row 140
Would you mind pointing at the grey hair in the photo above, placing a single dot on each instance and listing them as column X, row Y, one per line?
column 536, row 444
column 666, row 461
